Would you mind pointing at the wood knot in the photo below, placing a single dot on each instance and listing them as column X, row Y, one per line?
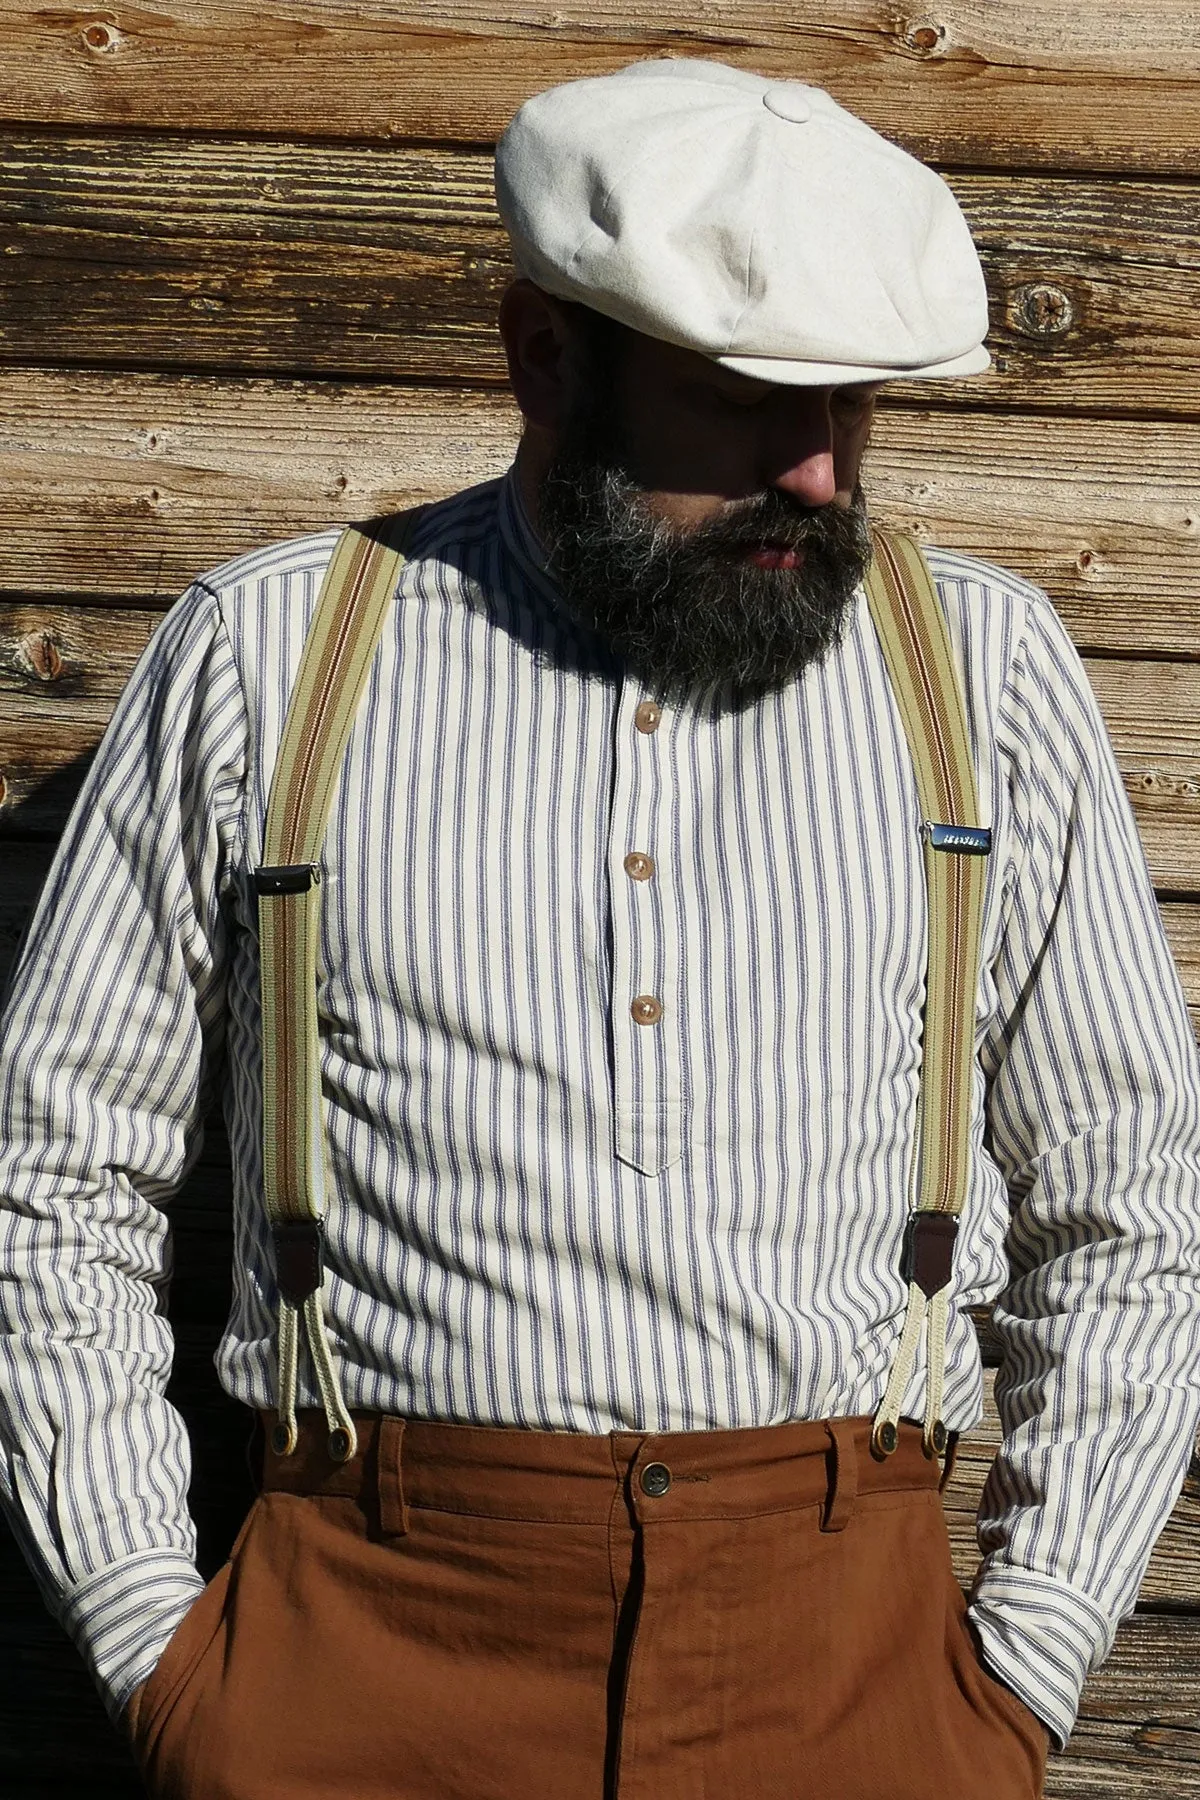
column 40, row 656
column 1084, row 561
column 1162, row 784
column 924, row 37
column 3, row 789
column 101, row 35
column 1042, row 310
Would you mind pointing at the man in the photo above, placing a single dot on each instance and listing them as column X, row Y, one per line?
column 621, row 982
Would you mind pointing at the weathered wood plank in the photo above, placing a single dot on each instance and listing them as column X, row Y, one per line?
column 132, row 251
column 1182, row 924
column 126, row 486
column 42, row 765
column 971, row 83
column 1138, row 1736
column 131, row 485
column 1151, row 711
column 25, row 868
column 1105, row 517
column 73, row 657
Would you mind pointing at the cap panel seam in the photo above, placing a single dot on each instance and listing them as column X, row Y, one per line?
column 745, row 306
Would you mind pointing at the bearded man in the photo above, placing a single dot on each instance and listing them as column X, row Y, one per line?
column 621, row 976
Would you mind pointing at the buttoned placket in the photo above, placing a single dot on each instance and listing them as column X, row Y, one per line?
column 643, row 898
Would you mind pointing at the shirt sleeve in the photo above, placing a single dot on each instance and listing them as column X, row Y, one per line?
column 1093, row 1116
column 109, row 1048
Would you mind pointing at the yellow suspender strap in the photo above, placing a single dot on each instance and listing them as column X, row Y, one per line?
column 354, row 602
column 912, row 632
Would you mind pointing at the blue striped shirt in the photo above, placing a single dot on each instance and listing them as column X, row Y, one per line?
column 546, row 1210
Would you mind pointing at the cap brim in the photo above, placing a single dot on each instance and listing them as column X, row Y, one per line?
column 789, row 373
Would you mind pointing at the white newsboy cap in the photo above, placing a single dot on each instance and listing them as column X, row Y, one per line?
column 753, row 220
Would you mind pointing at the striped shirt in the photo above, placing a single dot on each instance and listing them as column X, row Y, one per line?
column 547, row 1210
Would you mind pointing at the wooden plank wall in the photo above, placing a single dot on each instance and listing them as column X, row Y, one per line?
column 250, row 270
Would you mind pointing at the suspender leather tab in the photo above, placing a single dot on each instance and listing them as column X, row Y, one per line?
column 299, row 1257
column 928, row 1254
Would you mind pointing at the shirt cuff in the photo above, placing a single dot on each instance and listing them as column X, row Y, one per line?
column 122, row 1617
column 1041, row 1638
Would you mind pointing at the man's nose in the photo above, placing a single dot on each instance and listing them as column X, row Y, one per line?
column 800, row 455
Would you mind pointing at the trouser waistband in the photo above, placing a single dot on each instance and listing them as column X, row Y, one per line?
column 566, row 1477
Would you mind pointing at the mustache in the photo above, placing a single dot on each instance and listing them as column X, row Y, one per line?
column 773, row 517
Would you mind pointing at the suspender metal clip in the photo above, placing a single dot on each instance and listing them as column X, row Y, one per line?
column 964, row 840
column 286, row 878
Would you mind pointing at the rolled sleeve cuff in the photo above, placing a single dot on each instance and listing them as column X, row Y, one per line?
column 122, row 1618
column 1042, row 1639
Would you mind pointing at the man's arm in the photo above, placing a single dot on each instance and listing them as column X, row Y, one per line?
column 1094, row 1118
column 108, row 1049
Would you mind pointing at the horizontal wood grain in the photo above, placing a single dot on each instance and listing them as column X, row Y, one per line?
column 125, row 486
column 1182, row 923
column 969, row 82
column 389, row 261
column 1151, row 711
column 74, row 658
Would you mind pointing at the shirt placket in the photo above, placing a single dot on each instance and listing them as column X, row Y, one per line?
column 643, row 895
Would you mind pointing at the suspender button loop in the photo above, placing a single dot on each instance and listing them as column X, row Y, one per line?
column 885, row 1438
column 281, row 1439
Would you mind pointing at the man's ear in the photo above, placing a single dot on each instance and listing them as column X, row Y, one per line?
column 536, row 332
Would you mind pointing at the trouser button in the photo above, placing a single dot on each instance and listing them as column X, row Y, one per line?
column 656, row 1479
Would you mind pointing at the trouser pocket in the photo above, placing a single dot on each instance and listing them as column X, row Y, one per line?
column 166, row 1693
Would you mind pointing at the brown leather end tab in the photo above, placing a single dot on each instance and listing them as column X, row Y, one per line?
column 928, row 1257
column 299, row 1258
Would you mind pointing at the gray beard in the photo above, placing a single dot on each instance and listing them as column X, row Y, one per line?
column 684, row 608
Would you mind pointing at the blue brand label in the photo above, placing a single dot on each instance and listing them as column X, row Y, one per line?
column 967, row 840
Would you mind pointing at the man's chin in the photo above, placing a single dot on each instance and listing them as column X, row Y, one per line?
column 731, row 612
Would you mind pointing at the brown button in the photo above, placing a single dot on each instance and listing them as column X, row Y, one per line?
column 639, row 866
column 646, row 1009
column 647, row 716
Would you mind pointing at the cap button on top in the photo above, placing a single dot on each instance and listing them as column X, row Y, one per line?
column 789, row 101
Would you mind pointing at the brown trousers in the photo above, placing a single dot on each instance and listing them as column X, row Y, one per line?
column 470, row 1614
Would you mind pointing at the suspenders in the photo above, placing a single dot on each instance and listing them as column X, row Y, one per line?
column 352, row 606
column 912, row 631
column 354, row 602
